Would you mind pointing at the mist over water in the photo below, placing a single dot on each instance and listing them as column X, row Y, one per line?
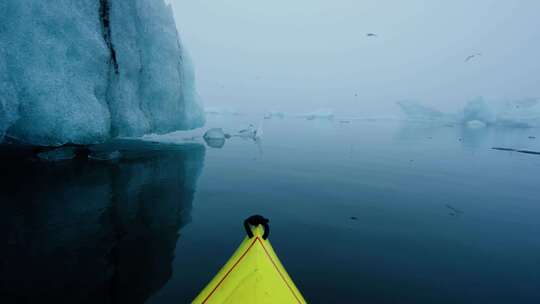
column 302, row 55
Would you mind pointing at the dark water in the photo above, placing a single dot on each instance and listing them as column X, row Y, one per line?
column 361, row 212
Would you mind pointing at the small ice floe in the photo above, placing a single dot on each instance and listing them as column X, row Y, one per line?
column 215, row 138
column 323, row 113
column 248, row 132
column 221, row 111
column 59, row 154
column 274, row 114
column 105, row 155
column 215, row 143
column 251, row 132
column 475, row 124
column 259, row 132
column 215, row 133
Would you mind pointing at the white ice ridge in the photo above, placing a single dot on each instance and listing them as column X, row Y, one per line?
column 84, row 71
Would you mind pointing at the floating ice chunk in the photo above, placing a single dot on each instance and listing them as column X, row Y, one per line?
column 274, row 114
column 215, row 143
column 249, row 132
column 476, row 124
column 323, row 113
column 177, row 137
column 59, row 154
column 220, row 111
column 215, row 138
column 277, row 114
column 215, row 133
column 259, row 132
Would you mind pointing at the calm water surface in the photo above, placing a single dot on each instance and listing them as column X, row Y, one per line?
column 361, row 212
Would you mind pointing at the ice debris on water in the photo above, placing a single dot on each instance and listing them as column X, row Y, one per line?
column 221, row 111
column 323, row 113
column 259, row 132
column 251, row 132
column 476, row 124
column 248, row 132
column 215, row 142
column 215, row 138
column 215, row 133
column 274, row 114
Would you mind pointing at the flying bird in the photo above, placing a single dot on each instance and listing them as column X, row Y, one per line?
column 472, row 56
column 371, row 35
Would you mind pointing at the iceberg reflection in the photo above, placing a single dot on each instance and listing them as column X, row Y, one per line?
column 94, row 232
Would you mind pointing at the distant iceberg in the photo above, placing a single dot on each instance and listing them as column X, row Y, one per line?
column 323, row 113
column 478, row 110
column 82, row 72
column 523, row 113
column 274, row 114
column 418, row 112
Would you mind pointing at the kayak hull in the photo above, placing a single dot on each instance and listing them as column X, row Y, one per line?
column 253, row 274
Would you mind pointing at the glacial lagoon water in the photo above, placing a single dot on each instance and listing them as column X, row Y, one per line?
column 361, row 212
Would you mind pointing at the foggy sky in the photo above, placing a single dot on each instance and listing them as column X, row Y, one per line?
column 303, row 54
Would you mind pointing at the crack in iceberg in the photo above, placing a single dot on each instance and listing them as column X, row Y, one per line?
column 104, row 15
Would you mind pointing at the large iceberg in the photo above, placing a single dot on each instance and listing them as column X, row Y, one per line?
column 82, row 72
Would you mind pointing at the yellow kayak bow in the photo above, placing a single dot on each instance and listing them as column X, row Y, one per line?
column 253, row 274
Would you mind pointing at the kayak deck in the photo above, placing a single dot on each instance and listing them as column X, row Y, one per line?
column 253, row 274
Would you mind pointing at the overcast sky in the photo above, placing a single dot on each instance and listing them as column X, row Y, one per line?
column 298, row 55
